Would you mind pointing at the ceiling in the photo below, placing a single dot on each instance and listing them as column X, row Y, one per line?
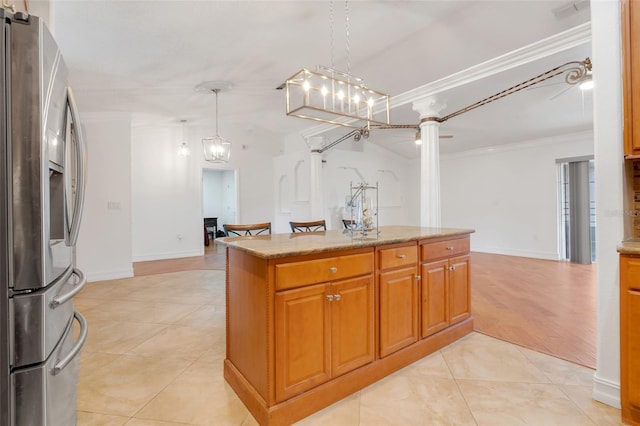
column 146, row 57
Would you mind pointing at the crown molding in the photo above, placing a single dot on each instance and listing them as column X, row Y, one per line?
column 560, row 42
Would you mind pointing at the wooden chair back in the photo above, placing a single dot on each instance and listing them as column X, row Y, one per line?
column 247, row 230
column 317, row 225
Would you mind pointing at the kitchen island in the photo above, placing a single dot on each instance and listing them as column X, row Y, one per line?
column 314, row 317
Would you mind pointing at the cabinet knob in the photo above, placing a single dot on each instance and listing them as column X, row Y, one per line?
column 450, row 248
column 402, row 256
column 333, row 270
column 337, row 297
column 452, row 267
column 329, row 297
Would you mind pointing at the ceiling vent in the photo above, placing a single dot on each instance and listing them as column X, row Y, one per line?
column 571, row 8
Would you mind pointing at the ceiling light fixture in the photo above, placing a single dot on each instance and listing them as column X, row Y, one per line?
column 183, row 149
column 587, row 84
column 335, row 97
column 418, row 137
column 216, row 148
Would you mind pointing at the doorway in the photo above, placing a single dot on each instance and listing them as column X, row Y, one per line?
column 577, row 210
column 220, row 196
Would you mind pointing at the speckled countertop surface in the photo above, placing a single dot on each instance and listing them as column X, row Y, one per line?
column 281, row 245
column 630, row 246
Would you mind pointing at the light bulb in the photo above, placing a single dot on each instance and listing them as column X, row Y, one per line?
column 418, row 138
column 370, row 102
column 324, row 91
column 356, row 99
column 306, row 86
column 341, row 95
column 586, row 85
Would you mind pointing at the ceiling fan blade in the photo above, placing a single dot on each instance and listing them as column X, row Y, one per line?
column 540, row 86
column 561, row 92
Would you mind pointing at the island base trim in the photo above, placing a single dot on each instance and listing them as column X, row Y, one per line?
column 315, row 399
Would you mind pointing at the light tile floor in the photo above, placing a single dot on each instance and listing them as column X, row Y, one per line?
column 156, row 345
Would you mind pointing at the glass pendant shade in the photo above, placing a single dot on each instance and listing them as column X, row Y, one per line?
column 216, row 149
column 183, row 148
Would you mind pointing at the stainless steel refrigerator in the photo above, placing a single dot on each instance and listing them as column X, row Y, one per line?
column 42, row 175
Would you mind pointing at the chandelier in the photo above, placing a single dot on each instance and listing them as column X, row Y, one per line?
column 216, row 148
column 335, row 97
column 183, row 149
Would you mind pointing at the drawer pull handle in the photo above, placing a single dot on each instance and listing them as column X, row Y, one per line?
column 333, row 270
column 329, row 297
column 337, row 297
column 450, row 248
column 402, row 256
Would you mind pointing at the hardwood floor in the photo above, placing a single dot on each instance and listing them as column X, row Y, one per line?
column 544, row 305
column 214, row 258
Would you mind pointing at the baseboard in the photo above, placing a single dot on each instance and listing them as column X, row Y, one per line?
column 168, row 255
column 606, row 391
column 109, row 275
column 520, row 253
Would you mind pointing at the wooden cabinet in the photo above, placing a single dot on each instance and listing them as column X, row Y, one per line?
column 322, row 331
column 631, row 73
column 630, row 338
column 399, row 297
column 314, row 319
column 445, row 285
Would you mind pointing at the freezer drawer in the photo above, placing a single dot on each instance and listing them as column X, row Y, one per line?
column 40, row 318
column 46, row 395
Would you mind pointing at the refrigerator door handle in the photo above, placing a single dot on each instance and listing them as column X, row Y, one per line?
column 82, row 338
column 81, row 160
column 60, row 299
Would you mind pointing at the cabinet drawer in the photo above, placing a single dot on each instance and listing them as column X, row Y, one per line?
column 296, row 274
column 398, row 256
column 431, row 251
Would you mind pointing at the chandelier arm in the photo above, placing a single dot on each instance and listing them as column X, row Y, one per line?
column 576, row 72
column 337, row 141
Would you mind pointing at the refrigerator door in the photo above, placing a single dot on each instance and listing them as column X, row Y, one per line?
column 41, row 318
column 41, row 249
column 5, row 177
column 46, row 394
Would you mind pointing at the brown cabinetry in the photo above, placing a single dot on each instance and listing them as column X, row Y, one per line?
column 314, row 319
column 631, row 71
column 322, row 331
column 630, row 338
column 399, row 297
column 445, row 288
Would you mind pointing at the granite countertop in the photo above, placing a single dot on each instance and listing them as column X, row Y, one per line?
column 630, row 246
column 282, row 245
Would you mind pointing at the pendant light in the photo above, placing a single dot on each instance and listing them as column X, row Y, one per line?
column 183, row 149
column 216, row 148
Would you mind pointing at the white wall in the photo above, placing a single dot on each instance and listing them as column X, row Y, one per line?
column 508, row 194
column 104, row 243
column 396, row 178
column 168, row 189
column 609, row 170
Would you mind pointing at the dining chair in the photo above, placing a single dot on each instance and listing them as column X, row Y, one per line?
column 247, row 230
column 317, row 225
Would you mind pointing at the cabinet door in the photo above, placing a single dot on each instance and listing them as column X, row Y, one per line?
column 459, row 289
column 302, row 332
column 398, row 310
column 352, row 322
column 435, row 306
column 633, row 348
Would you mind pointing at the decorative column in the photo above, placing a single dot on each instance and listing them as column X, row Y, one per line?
column 316, row 194
column 429, row 110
